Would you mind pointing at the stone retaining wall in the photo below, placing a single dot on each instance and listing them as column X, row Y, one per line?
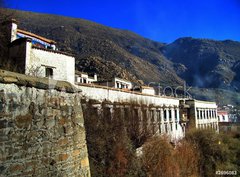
column 42, row 131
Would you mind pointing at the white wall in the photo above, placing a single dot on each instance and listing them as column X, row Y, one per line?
column 148, row 91
column 122, row 81
column 98, row 93
column 102, row 93
column 223, row 118
column 63, row 65
column 211, row 119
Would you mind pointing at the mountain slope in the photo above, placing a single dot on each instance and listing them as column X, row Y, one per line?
column 108, row 52
column 209, row 63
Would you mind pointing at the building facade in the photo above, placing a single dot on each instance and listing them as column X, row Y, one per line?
column 199, row 114
column 37, row 56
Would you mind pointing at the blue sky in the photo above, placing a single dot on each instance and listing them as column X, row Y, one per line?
column 160, row 20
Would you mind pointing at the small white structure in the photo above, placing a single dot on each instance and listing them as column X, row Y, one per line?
column 37, row 56
column 145, row 90
column 223, row 116
column 116, row 83
column 84, row 78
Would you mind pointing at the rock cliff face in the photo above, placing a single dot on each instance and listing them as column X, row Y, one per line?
column 41, row 131
column 208, row 63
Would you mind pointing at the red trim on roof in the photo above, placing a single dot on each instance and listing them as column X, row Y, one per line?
column 36, row 36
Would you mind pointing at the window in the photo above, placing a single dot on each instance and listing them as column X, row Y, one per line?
column 165, row 115
column 118, row 85
column 199, row 114
column 49, row 72
column 176, row 115
column 170, row 114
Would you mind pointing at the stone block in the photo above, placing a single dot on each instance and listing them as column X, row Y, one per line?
column 23, row 121
column 75, row 152
column 16, row 168
column 2, row 168
column 62, row 121
column 63, row 157
column 50, row 123
column 63, row 142
column 85, row 162
column 3, row 124
column 10, row 80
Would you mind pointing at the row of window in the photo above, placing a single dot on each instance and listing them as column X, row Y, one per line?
column 166, row 113
column 206, row 114
column 122, row 85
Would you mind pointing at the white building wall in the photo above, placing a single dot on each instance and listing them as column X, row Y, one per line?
column 148, row 91
column 118, row 95
column 121, row 81
column 208, row 111
column 37, row 60
column 223, row 118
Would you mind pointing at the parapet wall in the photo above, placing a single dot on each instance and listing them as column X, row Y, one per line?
column 42, row 131
column 102, row 93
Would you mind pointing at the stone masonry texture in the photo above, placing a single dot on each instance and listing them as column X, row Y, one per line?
column 41, row 130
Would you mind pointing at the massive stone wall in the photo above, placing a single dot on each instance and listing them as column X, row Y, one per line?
column 41, row 131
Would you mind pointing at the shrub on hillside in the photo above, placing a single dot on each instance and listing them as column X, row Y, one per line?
column 213, row 154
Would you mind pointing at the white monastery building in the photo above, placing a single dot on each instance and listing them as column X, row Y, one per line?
column 37, row 56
